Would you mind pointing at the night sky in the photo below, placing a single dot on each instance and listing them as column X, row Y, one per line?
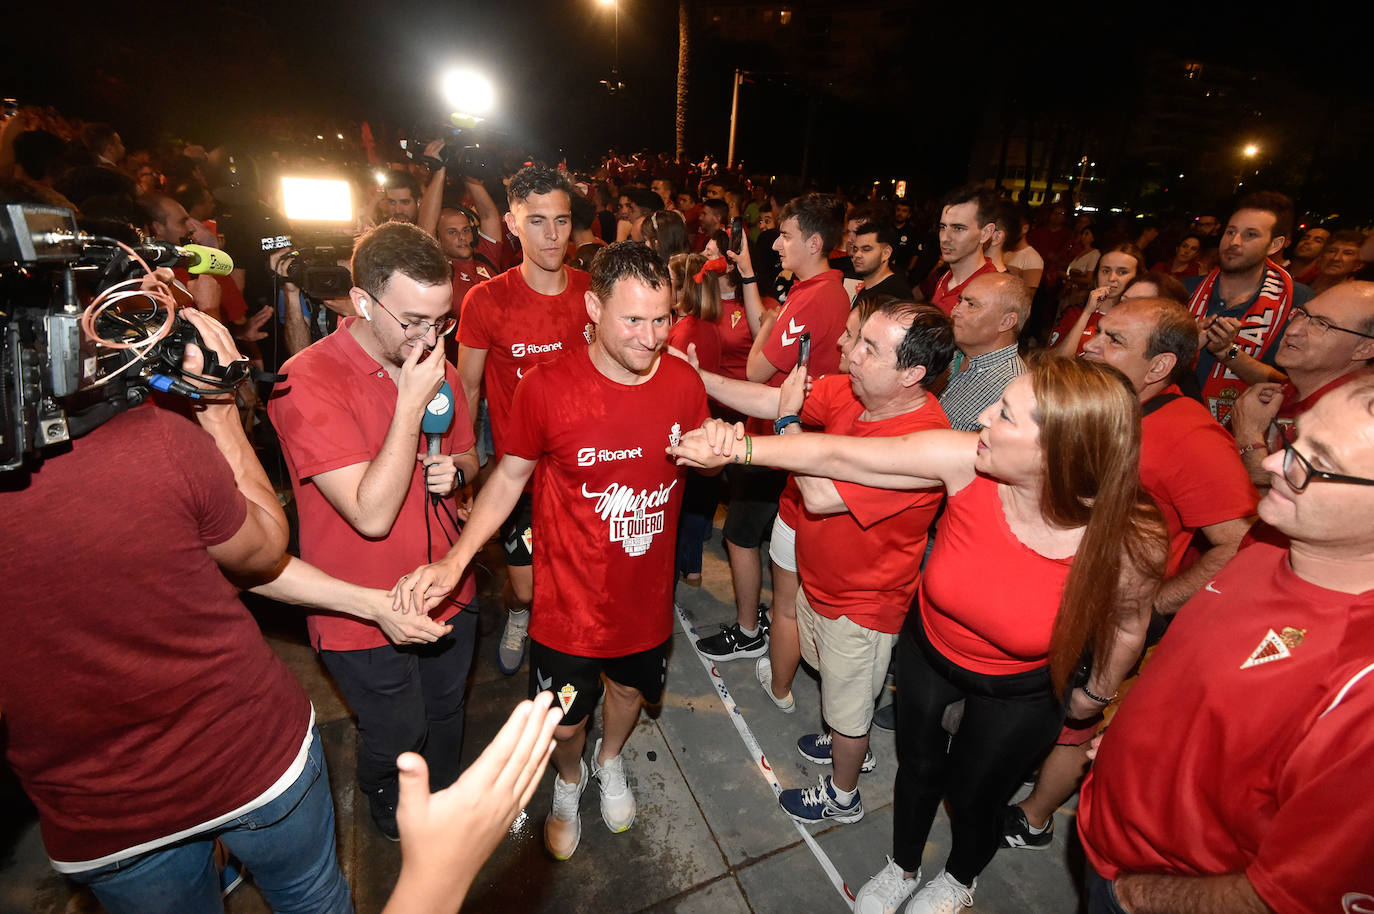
column 210, row 72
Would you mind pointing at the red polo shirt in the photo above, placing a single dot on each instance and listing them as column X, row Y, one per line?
column 333, row 411
column 947, row 296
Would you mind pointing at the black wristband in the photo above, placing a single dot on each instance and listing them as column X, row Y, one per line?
column 748, row 280
column 1097, row 698
column 782, row 422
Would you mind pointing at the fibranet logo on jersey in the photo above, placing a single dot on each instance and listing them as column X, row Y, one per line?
column 520, row 350
column 590, row 456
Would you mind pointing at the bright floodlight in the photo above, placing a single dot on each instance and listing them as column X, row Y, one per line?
column 317, row 200
column 1251, row 150
column 469, row 92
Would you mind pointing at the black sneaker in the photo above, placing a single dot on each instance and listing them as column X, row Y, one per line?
column 733, row 644
column 1016, row 830
column 383, row 814
column 764, row 622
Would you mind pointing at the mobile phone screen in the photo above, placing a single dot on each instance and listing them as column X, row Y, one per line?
column 804, row 349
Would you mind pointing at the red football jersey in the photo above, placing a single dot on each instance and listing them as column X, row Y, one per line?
column 519, row 328
column 606, row 500
column 736, row 340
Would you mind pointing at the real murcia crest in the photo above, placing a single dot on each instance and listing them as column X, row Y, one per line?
column 566, row 696
column 1275, row 646
column 675, row 435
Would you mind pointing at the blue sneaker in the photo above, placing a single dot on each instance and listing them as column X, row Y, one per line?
column 818, row 804
column 815, row 747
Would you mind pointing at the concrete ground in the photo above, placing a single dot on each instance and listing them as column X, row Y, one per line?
column 709, row 837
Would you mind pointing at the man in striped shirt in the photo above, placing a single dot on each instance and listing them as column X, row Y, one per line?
column 988, row 317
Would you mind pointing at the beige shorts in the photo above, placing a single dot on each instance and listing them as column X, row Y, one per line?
column 852, row 661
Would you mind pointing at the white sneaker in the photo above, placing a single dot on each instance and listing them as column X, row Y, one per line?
column 885, row 892
column 617, row 800
column 942, row 895
column 763, row 671
column 563, row 827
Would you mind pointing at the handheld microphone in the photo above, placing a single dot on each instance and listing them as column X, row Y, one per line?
column 438, row 417
column 437, row 420
column 195, row 258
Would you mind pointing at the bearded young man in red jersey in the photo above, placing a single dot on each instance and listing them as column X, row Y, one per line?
column 590, row 429
column 528, row 315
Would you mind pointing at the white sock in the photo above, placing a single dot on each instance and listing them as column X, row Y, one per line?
column 518, row 614
column 1038, row 831
column 844, row 797
column 748, row 633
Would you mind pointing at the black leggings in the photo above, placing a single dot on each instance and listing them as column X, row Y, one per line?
column 1010, row 722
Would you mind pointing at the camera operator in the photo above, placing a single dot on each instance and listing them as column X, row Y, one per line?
column 145, row 714
column 470, row 238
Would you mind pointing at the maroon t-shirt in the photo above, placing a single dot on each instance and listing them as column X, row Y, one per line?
column 139, row 696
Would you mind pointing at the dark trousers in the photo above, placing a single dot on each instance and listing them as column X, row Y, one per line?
column 409, row 698
column 699, row 500
column 1009, row 723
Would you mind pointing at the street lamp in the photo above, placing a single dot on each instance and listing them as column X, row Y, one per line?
column 1250, row 150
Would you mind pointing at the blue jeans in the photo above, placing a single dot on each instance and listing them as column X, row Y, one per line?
column 287, row 845
column 1102, row 895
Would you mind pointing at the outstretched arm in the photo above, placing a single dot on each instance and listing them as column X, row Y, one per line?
column 921, row 460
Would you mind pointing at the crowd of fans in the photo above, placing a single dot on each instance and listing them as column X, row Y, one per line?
column 1005, row 450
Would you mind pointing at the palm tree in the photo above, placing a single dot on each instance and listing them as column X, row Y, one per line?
column 683, row 56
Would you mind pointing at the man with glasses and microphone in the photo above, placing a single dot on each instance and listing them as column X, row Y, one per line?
column 350, row 417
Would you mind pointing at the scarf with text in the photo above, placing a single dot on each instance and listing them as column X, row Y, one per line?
column 1260, row 328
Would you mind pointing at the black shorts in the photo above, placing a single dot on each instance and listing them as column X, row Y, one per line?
column 576, row 681
column 516, row 533
column 754, row 493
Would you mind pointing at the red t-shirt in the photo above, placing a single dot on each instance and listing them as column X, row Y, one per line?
column 333, row 411
column 520, row 328
column 467, row 274
column 1071, row 316
column 1190, row 466
column 988, row 602
column 947, row 296
column 606, row 500
column 1218, row 764
column 818, row 305
column 138, row 695
column 887, row 528
column 736, row 339
column 703, row 334
column 1192, row 268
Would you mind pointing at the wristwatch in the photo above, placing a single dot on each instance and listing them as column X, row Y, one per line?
column 782, row 422
column 1231, row 353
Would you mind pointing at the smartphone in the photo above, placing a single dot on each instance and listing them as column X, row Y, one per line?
column 804, row 349
column 736, row 234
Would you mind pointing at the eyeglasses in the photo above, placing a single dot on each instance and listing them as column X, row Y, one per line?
column 1322, row 324
column 1298, row 472
column 416, row 330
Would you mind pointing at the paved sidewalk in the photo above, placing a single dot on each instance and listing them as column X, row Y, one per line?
column 709, row 837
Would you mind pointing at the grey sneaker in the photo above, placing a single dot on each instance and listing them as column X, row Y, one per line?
column 617, row 800
column 510, row 654
column 563, row 827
